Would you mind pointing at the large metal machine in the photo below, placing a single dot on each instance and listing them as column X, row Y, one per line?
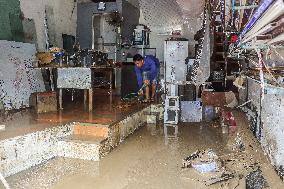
column 176, row 53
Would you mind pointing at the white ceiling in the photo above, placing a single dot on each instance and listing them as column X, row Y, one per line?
column 170, row 12
column 167, row 13
column 191, row 8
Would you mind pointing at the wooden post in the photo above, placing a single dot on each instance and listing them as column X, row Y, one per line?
column 60, row 116
column 90, row 116
column 110, row 80
column 85, row 98
column 110, row 88
column 90, row 100
column 60, row 99
column 51, row 79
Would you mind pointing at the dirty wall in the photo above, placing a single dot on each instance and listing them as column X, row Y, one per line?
column 18, row 80
column 163, row 17
column 266, row 116
column 61, row 16
column 11, row 27
column 23, row 152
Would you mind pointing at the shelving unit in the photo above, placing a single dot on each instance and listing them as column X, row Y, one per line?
column 218, row 60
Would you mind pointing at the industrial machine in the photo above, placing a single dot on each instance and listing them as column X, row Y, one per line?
column 176, row 53
column 180, row 102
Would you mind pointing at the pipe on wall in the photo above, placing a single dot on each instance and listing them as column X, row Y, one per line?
column 273, row 12
column 258, row 13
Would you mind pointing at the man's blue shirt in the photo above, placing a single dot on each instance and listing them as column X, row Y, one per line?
column 151, row 65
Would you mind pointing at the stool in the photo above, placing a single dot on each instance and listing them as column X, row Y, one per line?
column 44, row 102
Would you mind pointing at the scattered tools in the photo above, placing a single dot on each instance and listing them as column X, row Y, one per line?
column 224, row 177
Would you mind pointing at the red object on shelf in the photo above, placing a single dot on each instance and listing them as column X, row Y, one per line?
column 234, row 38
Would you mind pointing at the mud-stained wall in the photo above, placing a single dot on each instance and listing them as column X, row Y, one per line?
column 17, row 78
column 86, row 9
column 165, row 16
column 273, row 127
column 79, row 150
column 10, row 21
column 201, row 66
column 119, row 131
column 22, row 152
column 60, row 14
column 161, row 16
column 266, row 117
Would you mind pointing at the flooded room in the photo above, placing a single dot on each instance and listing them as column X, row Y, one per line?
column 144, row 94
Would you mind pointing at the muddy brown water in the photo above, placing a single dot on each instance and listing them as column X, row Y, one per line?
column 145, row 160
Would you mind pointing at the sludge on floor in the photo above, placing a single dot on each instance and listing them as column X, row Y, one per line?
column 147, row 160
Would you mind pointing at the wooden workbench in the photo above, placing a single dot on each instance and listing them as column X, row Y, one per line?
column 79, row 78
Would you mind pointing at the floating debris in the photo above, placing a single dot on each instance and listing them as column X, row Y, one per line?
column 255, row 180
column 2, row 128
column 202, row 161
column 187, row 161
column 209, row 165
column 224, row 177
column 206, row 167
column 281, row 172
column 239, row 145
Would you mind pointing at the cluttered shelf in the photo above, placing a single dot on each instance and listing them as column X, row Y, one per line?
column 57, row 58
column 267, row 86
column 272, row 76
column 66, row 66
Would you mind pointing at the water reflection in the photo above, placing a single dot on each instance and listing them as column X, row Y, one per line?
column 170, row 132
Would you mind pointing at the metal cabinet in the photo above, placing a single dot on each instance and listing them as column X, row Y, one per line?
column 175, row 53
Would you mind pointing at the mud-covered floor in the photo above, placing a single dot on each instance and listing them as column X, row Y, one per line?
column 106, row 111
column 146, row 160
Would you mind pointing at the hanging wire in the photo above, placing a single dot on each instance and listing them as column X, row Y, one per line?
column 261, row 75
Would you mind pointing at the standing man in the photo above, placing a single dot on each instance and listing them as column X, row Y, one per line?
column 147, row 71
